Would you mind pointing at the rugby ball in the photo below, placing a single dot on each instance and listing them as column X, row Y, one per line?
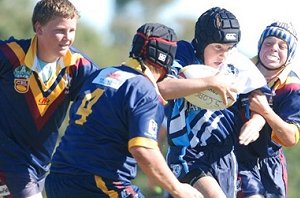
column 207, row 99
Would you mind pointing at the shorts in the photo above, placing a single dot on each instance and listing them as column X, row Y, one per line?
column 88, row 186
column 19, row 185
column 267, row 177
column 224, row 170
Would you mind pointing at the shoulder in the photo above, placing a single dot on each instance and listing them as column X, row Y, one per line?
column 21, row 43
column 82, row 56
column 185, row 54
column 117, row 76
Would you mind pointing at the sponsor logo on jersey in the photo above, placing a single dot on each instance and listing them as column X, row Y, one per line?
column 44, row 101
column 21, row 81
column 152, row 129
column 112, row 77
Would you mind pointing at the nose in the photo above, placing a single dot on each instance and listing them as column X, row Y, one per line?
column 68, row 35
column 224, row 53
column 275, row 47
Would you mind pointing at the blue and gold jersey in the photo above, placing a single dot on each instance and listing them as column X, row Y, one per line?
column 32, row 110
column 118, row 108
column 285, row 103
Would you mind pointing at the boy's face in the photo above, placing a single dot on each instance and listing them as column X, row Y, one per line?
column 273, row 53
column 55, row 38
column 216, row 54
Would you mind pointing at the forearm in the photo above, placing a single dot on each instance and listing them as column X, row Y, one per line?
column 250, row 131
column 286, row 133
column 171, row 88
column 154, row 166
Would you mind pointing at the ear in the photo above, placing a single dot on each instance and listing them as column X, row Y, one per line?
column 38, row 28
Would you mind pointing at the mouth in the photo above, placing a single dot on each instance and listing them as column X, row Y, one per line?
column 272, row 57
column 64, row 47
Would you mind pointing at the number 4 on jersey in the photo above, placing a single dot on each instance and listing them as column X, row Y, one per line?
column 85, row 109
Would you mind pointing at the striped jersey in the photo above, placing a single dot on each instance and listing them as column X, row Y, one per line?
column 193, row 131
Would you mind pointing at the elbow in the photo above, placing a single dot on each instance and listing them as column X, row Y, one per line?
column 289, row 142
column 286, row 141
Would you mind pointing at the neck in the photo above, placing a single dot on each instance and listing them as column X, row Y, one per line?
column 269, row 74
column 154, row 72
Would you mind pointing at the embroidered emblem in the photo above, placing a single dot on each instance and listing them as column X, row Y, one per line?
column 21, row 81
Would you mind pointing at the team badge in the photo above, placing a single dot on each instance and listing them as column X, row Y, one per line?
column 21, row 81
column 176, row 169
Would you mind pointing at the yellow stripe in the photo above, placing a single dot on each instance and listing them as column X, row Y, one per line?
column 144, row 142
column 17, row 50
column 276, row 139
column 71, row 59
column 297, row 133
column 101, row 184
column 38, row 96
column 133, row 63
column 293, row 79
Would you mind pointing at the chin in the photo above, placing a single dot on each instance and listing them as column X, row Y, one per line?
column 63, row 52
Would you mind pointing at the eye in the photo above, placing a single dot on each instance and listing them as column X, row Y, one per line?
column 283, row 46
column 268, row 43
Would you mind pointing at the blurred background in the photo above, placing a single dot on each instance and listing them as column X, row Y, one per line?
column 106, row 28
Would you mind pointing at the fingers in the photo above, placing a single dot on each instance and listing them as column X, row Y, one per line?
column 248, row 138
column 229, row 94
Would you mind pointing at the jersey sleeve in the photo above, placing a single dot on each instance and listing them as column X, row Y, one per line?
column 145, row 115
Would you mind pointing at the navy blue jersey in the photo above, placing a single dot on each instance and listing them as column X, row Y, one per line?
column 285, row 103
column 118, row 108
column 32, row 111
column 264, row 158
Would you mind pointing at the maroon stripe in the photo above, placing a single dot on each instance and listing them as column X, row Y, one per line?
column 10, row 55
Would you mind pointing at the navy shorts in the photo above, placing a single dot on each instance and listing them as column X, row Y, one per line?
column 88, row 186
column 224, row 170
column 267, row 177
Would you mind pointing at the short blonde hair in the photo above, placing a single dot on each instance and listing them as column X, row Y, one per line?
column 45, row 10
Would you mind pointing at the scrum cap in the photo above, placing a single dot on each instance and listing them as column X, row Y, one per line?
column 216, row 25
column 155, row 43
column 284, row 31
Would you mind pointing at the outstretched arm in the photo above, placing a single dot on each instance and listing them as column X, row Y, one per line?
column 172, row 88
column 153, row 164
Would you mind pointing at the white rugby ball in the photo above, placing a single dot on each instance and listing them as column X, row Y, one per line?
column 207, row 99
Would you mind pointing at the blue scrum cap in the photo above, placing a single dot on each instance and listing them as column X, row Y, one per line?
column 284, row 31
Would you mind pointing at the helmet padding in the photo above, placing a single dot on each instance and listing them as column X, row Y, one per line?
column 216, row 25
column 155, row 43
